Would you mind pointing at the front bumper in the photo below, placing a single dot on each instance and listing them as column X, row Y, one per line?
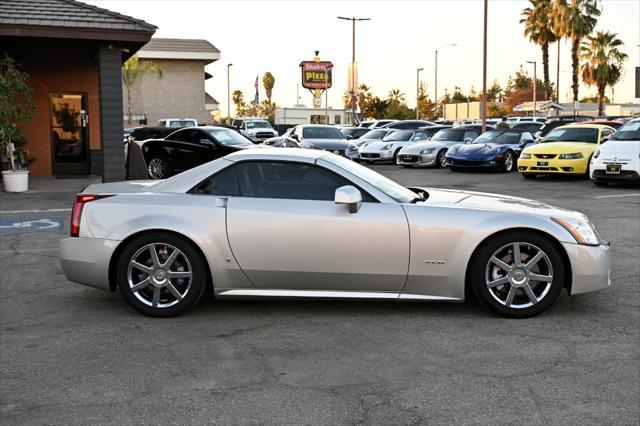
column 376, row 155
column 590, row 267
column 473, row 164
column 86, row 260
column 420, row 160
column 554, row 165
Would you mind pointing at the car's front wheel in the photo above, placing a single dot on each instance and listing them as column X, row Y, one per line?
column 158, row 167
column 161, row 274
column 508, row 162
column 517, row 274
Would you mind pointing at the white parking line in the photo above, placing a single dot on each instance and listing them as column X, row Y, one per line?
column 33, row 211
column 635, row 194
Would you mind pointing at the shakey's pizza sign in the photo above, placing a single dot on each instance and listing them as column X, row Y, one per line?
column 316, row 74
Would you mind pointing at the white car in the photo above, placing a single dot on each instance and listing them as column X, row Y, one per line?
column 618, row 160
column 388, row 148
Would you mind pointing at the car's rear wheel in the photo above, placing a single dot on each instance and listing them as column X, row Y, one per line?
column 518, row 274
column 158, row 167
column 161, row 274
column 507, row 166
column 441, row 158
column 529, row 175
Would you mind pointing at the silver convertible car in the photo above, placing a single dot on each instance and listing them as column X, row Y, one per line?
column 277, row 222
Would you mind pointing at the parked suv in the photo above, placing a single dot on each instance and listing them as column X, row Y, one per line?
column 256, row 129
column 177, row 122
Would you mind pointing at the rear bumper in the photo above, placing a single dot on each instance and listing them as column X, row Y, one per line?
column 590, row 266
column 86, row 260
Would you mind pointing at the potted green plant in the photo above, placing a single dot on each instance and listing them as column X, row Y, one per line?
column 16, row 105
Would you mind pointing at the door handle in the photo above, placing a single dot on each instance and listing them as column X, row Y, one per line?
column 222, row 201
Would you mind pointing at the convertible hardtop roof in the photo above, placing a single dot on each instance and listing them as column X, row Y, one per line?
column 270, row 153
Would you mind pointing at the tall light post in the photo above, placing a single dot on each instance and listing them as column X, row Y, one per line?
column 435, row 90
column 535, row 83
column 418, row 93
column 228, row 95
column 484, row 69
column 353, row 62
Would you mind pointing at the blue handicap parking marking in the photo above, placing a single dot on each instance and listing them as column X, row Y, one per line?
column 17, row 226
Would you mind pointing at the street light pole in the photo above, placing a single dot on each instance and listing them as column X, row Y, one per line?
column 435, row 90
column 535, row 83
column 353, row 63
column 418, row 93
column 228, row 95
column 484, row 69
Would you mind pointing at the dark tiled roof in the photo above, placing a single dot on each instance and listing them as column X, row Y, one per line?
column 208, row 99
column 67, row 14
column 179, row 45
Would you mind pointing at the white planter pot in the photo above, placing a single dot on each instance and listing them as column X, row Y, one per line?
column 17, row 181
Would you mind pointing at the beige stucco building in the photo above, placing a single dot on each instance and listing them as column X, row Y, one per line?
column 180, row 93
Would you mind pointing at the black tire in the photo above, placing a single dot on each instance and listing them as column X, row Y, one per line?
column 505, row 166
column 158, row 167
column 529, row 175
column 482, row 269
column 441, row 158
column 587, row 175
column 191, row 289
column 395, row 156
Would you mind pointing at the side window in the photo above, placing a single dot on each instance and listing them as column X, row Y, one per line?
column 180, row 135
column 225, row 182
column 419, row 136
column 470, row 134
column 297, row 181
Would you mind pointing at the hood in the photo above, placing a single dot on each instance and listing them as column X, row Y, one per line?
column 326, row 144
column 377, row 145
column 496, row 202
column 560, row 147
column 478, row 149
column 416, row 147
column 621, row 149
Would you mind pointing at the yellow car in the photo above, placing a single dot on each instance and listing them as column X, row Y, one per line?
column 565, row 150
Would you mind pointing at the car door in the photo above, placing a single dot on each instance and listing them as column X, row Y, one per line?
column 286, row 231
column 191, row 152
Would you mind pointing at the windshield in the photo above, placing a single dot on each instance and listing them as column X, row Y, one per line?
column 501, row 138
column 629, row 132
column 375, row 134
column 448, row 135
column 398, row 135
column 257, row 125
column 572, row 134
column 321, row 133
column 385, row 185
column 228, row 137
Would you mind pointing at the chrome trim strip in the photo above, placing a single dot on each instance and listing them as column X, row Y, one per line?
column 249, row 292
column 409, row 296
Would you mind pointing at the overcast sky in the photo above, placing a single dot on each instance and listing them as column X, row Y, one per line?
column 259, row 36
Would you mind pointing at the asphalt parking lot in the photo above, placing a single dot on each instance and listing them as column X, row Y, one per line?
column 74, row 355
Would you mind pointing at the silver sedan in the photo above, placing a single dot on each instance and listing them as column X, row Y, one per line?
column 277, row 222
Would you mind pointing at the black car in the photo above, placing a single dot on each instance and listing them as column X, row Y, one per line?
column 552, row 123
column 407, row 125
column 354, row 132
column 190, row 147
column 144, row 133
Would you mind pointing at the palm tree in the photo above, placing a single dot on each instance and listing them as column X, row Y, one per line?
column 346, row 99
column 131, row 70
column 538, row 26
column 575, row 19
column 603, row 62
column 396, row 96
column 238, row 100
column 268, row 81
column 364, row 96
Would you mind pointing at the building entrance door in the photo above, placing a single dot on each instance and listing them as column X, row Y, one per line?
column 69, row 134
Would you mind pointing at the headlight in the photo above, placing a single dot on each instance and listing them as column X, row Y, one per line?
column 572, row 156
column 582, row 231
column 386, row 147
column 596, row 154
column 427, row 151
column 525, row 156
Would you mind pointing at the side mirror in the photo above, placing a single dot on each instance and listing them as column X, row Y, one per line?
column 350, row 196
column 468, row 140
column 348, row 137
column 208, row 142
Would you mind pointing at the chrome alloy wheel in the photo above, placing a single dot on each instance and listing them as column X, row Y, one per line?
column 157, row 168
column 159, row 275
column 519, row 275
column 508, row 162
column 441, row 158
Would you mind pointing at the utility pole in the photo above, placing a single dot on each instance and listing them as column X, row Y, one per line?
column 353, row 64
column 418, row 93
column 228, row 95
column 558, row 81
column 484, row 70
column 535, row 84
column 435, row 88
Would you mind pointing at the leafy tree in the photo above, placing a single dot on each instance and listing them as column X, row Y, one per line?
column 131, row 71
column 458, row 96
column 267, row 109
column 237, row 97
column 496, row 109
column 428, row 109
column 268, row 81
column 376, row 108
column 539, row 28
column 603, row 62
column 575, row 19
column 495, row 92
column 346, row 99
column 16, row 105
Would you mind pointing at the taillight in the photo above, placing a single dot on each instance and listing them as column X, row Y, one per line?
column 78, row 205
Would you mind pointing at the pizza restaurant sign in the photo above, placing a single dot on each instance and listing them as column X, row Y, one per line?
column 316, row 74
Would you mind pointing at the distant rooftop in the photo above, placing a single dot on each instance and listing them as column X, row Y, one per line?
column 178, row 48
column 66, row 13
